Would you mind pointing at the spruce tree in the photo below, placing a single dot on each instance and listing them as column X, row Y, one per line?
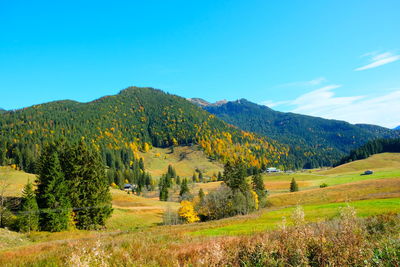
column 163, row 191
column 141, row 164
column 184, row 188
column 52, row 192
column 235, row 176
column 258, row 185
column 88, row 186
column 201, row 195
column 28, row 219
column 293, row 186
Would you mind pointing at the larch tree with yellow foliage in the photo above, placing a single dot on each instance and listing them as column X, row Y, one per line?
column 187, row 212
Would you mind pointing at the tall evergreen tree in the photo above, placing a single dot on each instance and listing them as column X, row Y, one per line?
column 163, row 191
column 258, row 185
column 89, row 191
column 201, row 195
column 52, row 192
column 293, row 186
column 28, row 219
column 184, row 188
column 235, row 176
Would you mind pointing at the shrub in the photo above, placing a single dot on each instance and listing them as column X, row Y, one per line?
column 187, row 212
column 171, row 217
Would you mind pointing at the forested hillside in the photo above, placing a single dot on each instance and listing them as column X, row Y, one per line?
column 314, row 141
column 371, row 148
column 121, row 125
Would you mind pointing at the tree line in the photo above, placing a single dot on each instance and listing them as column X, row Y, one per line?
column 370, row 148
column 72, row 190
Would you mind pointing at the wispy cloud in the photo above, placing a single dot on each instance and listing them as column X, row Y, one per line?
column 272, row 104
column 316, row 81
column 380, row 110
column 378, row 60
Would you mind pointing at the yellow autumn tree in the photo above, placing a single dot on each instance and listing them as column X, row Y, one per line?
column 146, row 147
column 187, row 212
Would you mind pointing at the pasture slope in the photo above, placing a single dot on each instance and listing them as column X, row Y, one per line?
column 135, row 223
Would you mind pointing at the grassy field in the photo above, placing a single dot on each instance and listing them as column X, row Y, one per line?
column 16, row 180
column 185, row 159
column 271, row 219
column 385, row 166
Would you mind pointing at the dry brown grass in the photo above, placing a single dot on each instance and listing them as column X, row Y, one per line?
column 371, row 189
column 384, row 161
column 185, row 160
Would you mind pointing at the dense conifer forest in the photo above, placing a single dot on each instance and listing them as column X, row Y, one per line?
column 314, row 141
column 121, row 125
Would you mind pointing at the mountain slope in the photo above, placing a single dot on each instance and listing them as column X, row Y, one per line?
column 131, row 121
column 316, row 140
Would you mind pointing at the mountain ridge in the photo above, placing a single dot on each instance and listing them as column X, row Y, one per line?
column 320, row 141
column 134, row 119
column 203, row 103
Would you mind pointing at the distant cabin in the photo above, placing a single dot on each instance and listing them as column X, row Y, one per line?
column 272, row 169
column 129, row 187
column 369, row 172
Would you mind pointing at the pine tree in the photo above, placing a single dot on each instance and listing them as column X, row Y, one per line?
column 163, row 192
column 194, row 178
column 171, row 171
column 28, row 219
column 184, row 188
column 201, row 195
column 235, row 176
column 258, row 185
column 293, row 186
column 52, row 192
column 141, row 164
column 89, row 191
column 200, row 176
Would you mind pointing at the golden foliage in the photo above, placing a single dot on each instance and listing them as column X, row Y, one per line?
column 187, row 212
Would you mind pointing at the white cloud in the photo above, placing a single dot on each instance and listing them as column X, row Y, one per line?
column 378, row 60
column 381, row 110
column 316, row 81
column 272, row 104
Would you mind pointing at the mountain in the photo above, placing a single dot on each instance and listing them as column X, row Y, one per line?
column 314, row 141
column 397, row 128
column 2, row 110
column 203, row 103
column 121, row 125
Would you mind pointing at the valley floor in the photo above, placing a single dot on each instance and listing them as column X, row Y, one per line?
column 134, row 235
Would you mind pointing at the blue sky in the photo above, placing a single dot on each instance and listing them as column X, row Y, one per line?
column 335, row 59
